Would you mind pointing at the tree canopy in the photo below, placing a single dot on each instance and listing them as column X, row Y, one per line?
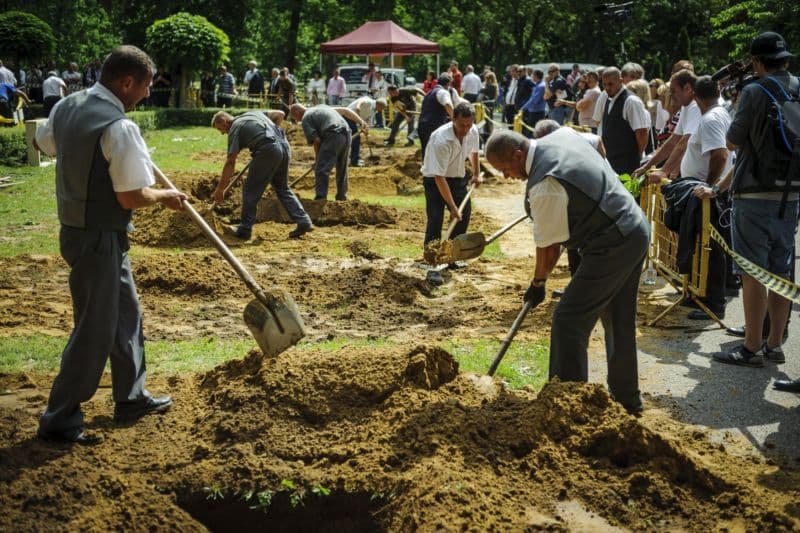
column 25, row 36
column 188, row 41
column 495, row 32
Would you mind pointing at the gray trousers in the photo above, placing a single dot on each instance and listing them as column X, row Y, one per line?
column 108, row 322
column 270, row 165
column 332, row 152
column 605, row 286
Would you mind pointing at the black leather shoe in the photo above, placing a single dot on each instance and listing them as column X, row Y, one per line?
column 787, row 385
column 132, row 411
column 434, row 277
column 300, row 230
column 736, row 332
column 74, row 436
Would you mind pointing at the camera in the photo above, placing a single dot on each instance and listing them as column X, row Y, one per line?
column 733, row 77
column 615, row 12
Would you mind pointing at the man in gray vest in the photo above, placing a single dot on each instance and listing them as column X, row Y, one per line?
column 103, row 172
column 577, row 201
column 270, row 164
column 327, row 131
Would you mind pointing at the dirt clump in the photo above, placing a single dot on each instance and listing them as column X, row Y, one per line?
column 438, row 252
column 324, row 213
column 160, row 226
column 430, row 367
column 359, row 248
column 192, row 275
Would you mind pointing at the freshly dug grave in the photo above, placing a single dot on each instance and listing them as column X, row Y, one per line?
column 379, row 439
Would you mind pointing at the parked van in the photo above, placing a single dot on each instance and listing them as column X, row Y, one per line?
column 353, row 75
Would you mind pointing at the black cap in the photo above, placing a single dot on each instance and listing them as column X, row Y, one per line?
column 769, row 45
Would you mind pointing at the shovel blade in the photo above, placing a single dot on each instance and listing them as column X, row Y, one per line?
column 276, row 327
column 468, row 246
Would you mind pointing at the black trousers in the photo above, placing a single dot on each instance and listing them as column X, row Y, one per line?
column 435, row 208
column 425, row 130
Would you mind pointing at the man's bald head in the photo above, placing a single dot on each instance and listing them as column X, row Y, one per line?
column 297, row 111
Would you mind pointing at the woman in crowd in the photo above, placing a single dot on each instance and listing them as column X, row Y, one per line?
column 315, row 89
column 430, row 82
column 641, row 89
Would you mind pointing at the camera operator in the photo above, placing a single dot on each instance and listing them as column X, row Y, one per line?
column 762, row 228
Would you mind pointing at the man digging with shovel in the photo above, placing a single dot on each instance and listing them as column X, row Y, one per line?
column 103, row 172
column 270, row 164
column 576, row 200
column 445, row 179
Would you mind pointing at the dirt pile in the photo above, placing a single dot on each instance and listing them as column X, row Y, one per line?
column 359, row 248
column 324, row 213
column 381, row 439
column 191, row 275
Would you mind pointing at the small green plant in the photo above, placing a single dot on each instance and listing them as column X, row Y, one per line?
column 214, row 492
column 288, row 484
column 263, row 500
column 295, row 494
column 319, row 490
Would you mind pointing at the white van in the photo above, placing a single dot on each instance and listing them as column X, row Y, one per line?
column 353, row 74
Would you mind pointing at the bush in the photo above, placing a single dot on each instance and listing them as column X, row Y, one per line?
column 13, row 150
column 156, row 119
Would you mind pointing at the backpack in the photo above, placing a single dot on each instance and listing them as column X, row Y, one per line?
column 778, row 161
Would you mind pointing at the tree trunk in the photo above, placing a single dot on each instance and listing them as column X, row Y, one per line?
column 291, row 37
column 186, row 79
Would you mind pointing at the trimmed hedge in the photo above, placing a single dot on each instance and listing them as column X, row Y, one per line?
column 13, row 150
column 168, row 117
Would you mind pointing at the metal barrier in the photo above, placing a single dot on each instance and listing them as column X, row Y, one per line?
column 663, row 252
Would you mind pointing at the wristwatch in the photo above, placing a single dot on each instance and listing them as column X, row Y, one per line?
column 715, row 189
column 539, row 282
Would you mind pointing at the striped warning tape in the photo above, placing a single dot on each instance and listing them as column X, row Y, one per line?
column 785, row 288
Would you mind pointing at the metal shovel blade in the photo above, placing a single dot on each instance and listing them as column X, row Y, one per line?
column 276, row 326
column 468, row 246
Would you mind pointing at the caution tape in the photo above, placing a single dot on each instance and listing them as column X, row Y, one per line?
column 778, row 285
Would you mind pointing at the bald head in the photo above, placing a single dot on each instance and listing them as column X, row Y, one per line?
column 297, row 111
column 507, row 151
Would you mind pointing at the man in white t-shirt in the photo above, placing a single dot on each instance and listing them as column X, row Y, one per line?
column 471, row 85
column 53, row 90
column 444, row 175
column 671, row 152
column 365, row 107
column 118, row 177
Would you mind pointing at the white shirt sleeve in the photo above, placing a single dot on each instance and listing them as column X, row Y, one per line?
column 45, row 138
column 636, row 114
column 437, row 159
column 712, row 135
column 129, row 162
column 471, row 141
column 548, row 200
column 688, row 121
column 599, row 105
column 443, row 97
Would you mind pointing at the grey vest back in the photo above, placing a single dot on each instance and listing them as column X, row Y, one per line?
column 84, row 192
column 599, row 206
column 255, row 131
column 622, row 150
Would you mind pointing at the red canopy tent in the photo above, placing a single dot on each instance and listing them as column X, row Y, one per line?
column 380, row 37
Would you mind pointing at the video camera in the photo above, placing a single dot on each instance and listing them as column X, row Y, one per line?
column 733, row 78
column 615, row 12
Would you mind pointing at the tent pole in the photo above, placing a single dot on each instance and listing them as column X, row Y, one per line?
column 391, row 59
column 437, row 65
column 320, row 63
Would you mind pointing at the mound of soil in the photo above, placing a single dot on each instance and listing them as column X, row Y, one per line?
column 159, row 226
column 359, row 248
column 382, row 439
column 193, row 275
column 324, row 213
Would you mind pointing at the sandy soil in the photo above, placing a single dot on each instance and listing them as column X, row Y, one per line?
column 366, row 439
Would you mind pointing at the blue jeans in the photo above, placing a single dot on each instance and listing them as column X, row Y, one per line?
column 333, row 99
column 559, row 114
column 761, row 237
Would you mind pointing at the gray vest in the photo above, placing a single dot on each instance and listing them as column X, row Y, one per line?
column 600, row 209
column 84, row 192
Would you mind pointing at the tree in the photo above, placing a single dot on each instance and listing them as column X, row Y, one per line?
column 25, row 36
column 187, row 42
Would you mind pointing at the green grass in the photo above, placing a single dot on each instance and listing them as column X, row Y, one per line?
column 42, row 353
column 172, row 148
column 525, row 363
column 28, row 216
column 416, row 201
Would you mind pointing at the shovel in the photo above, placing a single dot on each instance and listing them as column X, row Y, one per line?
column 209, row 216
column 471, row 245
column 372, row 157
column 273, row 319
column 434, row 256
column 510, row 337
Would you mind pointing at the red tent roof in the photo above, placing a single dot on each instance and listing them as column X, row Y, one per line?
column 379, row 37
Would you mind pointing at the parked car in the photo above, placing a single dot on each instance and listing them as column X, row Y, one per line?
column 353, row 74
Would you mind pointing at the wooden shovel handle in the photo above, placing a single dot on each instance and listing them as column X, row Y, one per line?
column 504, row 229
column 217, row 242
column 453, row 222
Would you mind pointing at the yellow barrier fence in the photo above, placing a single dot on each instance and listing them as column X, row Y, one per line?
column 663, row 252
